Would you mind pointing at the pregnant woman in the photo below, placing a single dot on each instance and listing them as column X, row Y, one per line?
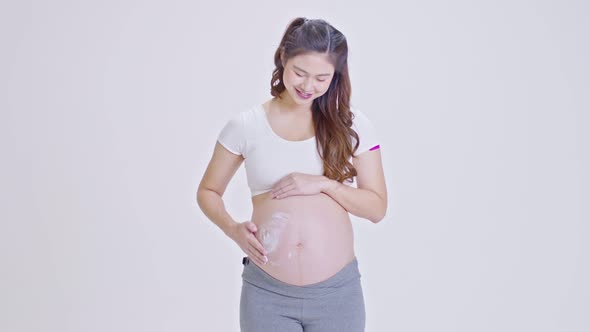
column 301, row 150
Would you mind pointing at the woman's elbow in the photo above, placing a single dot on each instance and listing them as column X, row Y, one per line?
column 380, row 214
column 377, row 219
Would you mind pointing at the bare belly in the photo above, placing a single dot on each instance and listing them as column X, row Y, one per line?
column 308, row 238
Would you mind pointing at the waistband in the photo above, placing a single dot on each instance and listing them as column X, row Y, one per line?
column 260, row 278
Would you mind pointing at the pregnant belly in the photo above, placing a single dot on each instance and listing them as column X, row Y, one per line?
column 308, row 238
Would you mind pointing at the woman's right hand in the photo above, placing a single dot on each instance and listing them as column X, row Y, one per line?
column 244, row 235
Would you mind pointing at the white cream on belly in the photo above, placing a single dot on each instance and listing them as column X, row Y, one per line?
column 271, row 233
column 308, row 238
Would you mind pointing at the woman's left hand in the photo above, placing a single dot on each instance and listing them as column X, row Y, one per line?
column 298, row 184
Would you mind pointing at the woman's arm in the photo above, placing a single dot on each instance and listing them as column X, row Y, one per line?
column 212, row 206
column 362, row 203
column 221, row 169
column 369, row 199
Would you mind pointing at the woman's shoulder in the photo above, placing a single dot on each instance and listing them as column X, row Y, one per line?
column 248, row 119
column 358, row 116
column 245, row 114
column 355, row 110
column 361, row 123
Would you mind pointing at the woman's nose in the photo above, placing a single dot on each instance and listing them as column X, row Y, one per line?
column 307, row 85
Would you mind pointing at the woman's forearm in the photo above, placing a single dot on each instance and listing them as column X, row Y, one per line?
column 359, row 202
column 212, row 206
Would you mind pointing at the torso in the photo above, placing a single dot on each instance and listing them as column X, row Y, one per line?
column 309, row 237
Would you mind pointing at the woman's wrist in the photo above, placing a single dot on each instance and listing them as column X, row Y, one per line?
column 229, row 229
column 328, row 184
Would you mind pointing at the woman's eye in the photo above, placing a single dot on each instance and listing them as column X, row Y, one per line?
column 298, row 74
column 322, row 80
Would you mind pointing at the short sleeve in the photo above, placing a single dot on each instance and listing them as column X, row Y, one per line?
column 368, row 137
column 232, row 135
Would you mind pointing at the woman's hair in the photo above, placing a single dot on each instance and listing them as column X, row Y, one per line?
column 331, row 113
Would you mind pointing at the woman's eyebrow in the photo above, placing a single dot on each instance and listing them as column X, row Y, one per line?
column 328, row 74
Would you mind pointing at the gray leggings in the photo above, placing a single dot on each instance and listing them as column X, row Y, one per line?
column 270, row 305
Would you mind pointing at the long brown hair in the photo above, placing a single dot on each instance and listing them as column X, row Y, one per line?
column 331, row 113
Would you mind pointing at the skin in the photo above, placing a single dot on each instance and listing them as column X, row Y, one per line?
column 312, row 237
column 317, row 240
column 306, row 73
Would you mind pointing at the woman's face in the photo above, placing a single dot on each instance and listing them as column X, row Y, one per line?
column 307, row 77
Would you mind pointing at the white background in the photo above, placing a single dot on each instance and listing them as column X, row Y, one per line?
column 109, row 115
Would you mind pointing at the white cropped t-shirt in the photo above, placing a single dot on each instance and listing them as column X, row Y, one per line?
column 269, row 157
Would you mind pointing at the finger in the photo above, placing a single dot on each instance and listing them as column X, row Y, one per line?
column 251, row 227
column 274, row 192
column 258, row 246
column 285, row 191
column 254, row 254
column 277, row 186
column 282, row 183
column 281, row 190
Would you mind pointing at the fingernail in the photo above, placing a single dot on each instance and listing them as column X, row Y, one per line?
column 265, row 259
